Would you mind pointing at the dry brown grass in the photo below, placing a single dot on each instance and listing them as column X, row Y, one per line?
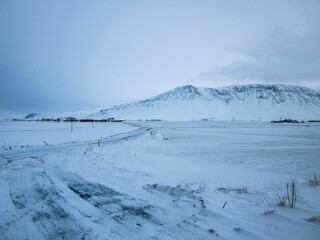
column 313, row 219
column 314, row 180
column 282, row 201
column 291, row 196
column 237, row 190
column 268, row 213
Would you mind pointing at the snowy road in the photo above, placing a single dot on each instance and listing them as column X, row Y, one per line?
column 44, row 150
column 161, row 181
column 26, row 183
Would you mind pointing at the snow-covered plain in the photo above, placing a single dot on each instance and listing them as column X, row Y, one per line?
column 22, row 134
column 160, row 180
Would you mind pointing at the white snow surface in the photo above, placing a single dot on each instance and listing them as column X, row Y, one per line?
column 22, row 134
column 243, row 102
column 160, row 180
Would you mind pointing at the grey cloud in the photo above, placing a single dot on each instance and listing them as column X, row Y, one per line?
column 282, row 57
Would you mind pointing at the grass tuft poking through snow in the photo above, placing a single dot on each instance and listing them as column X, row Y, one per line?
column 239, row 190
column 269, row 212
column 313, row 219
column 314, row 180
column 290, row 197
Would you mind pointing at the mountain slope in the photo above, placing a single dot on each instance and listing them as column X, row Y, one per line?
column 77, row 114
column 244, row 102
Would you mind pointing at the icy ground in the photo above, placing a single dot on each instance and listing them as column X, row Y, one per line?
column 30, row 134
column 160, row 180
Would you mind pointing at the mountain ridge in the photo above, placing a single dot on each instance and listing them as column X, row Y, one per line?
column 243, row 102
column 184, row 103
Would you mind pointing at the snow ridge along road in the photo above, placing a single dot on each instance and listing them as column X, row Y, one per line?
column 43, row 150
column 36, row 202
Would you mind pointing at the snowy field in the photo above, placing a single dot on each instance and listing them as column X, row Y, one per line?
column 159, row 180
column 30, row 134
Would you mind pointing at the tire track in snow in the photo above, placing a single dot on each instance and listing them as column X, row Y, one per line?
column 35, row 199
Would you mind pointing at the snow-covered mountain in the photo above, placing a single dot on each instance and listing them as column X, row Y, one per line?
column 242, row 102
column 78, row 114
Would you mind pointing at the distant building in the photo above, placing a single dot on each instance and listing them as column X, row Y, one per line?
column 70, row 119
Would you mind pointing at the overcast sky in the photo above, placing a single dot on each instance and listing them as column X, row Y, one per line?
column 70, row 55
